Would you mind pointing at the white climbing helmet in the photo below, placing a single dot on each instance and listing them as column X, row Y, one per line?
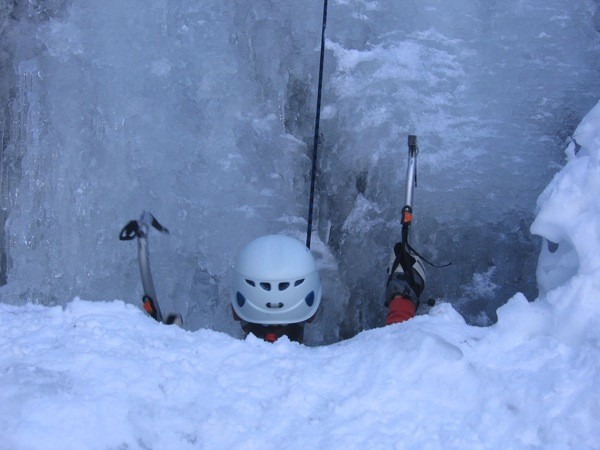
column 275, row 281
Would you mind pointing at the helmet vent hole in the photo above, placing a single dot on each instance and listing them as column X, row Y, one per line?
column 250, row 282
column 310, row 298
column 240, row 299
column 298, row 282
column 266, row 286
column 283, row 286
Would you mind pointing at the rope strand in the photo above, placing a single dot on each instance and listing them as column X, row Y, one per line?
column 313, row 175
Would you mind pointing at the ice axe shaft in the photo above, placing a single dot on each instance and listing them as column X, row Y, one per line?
column 411, row 170
column 146, row 275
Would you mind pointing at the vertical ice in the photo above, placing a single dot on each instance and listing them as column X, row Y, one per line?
column 200, row 112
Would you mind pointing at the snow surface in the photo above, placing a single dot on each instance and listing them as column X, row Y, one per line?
column 103, row 375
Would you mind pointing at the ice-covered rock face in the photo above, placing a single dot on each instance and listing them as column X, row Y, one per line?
column 493, row 90
column 203, row 112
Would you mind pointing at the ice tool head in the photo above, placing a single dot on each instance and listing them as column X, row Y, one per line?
column 275, row 281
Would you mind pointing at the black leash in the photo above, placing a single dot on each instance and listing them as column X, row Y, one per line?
column 313, row 175
column 436, row 265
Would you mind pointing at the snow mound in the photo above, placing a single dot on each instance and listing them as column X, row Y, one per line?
column 102, row 375
column 569, row 220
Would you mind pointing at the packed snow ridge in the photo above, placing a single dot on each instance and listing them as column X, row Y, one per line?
column 102, row 375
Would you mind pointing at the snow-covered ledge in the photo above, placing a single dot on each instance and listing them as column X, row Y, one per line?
column 568, row 271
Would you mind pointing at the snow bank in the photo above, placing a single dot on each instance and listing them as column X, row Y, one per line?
column 569, row 219
column 103, row 375
column 100, row 375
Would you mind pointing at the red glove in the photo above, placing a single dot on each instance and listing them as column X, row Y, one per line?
column 400, row 310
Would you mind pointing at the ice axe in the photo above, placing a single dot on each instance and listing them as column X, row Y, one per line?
column 139, row 229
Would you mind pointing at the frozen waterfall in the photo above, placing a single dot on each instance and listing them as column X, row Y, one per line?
column 202, row 112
